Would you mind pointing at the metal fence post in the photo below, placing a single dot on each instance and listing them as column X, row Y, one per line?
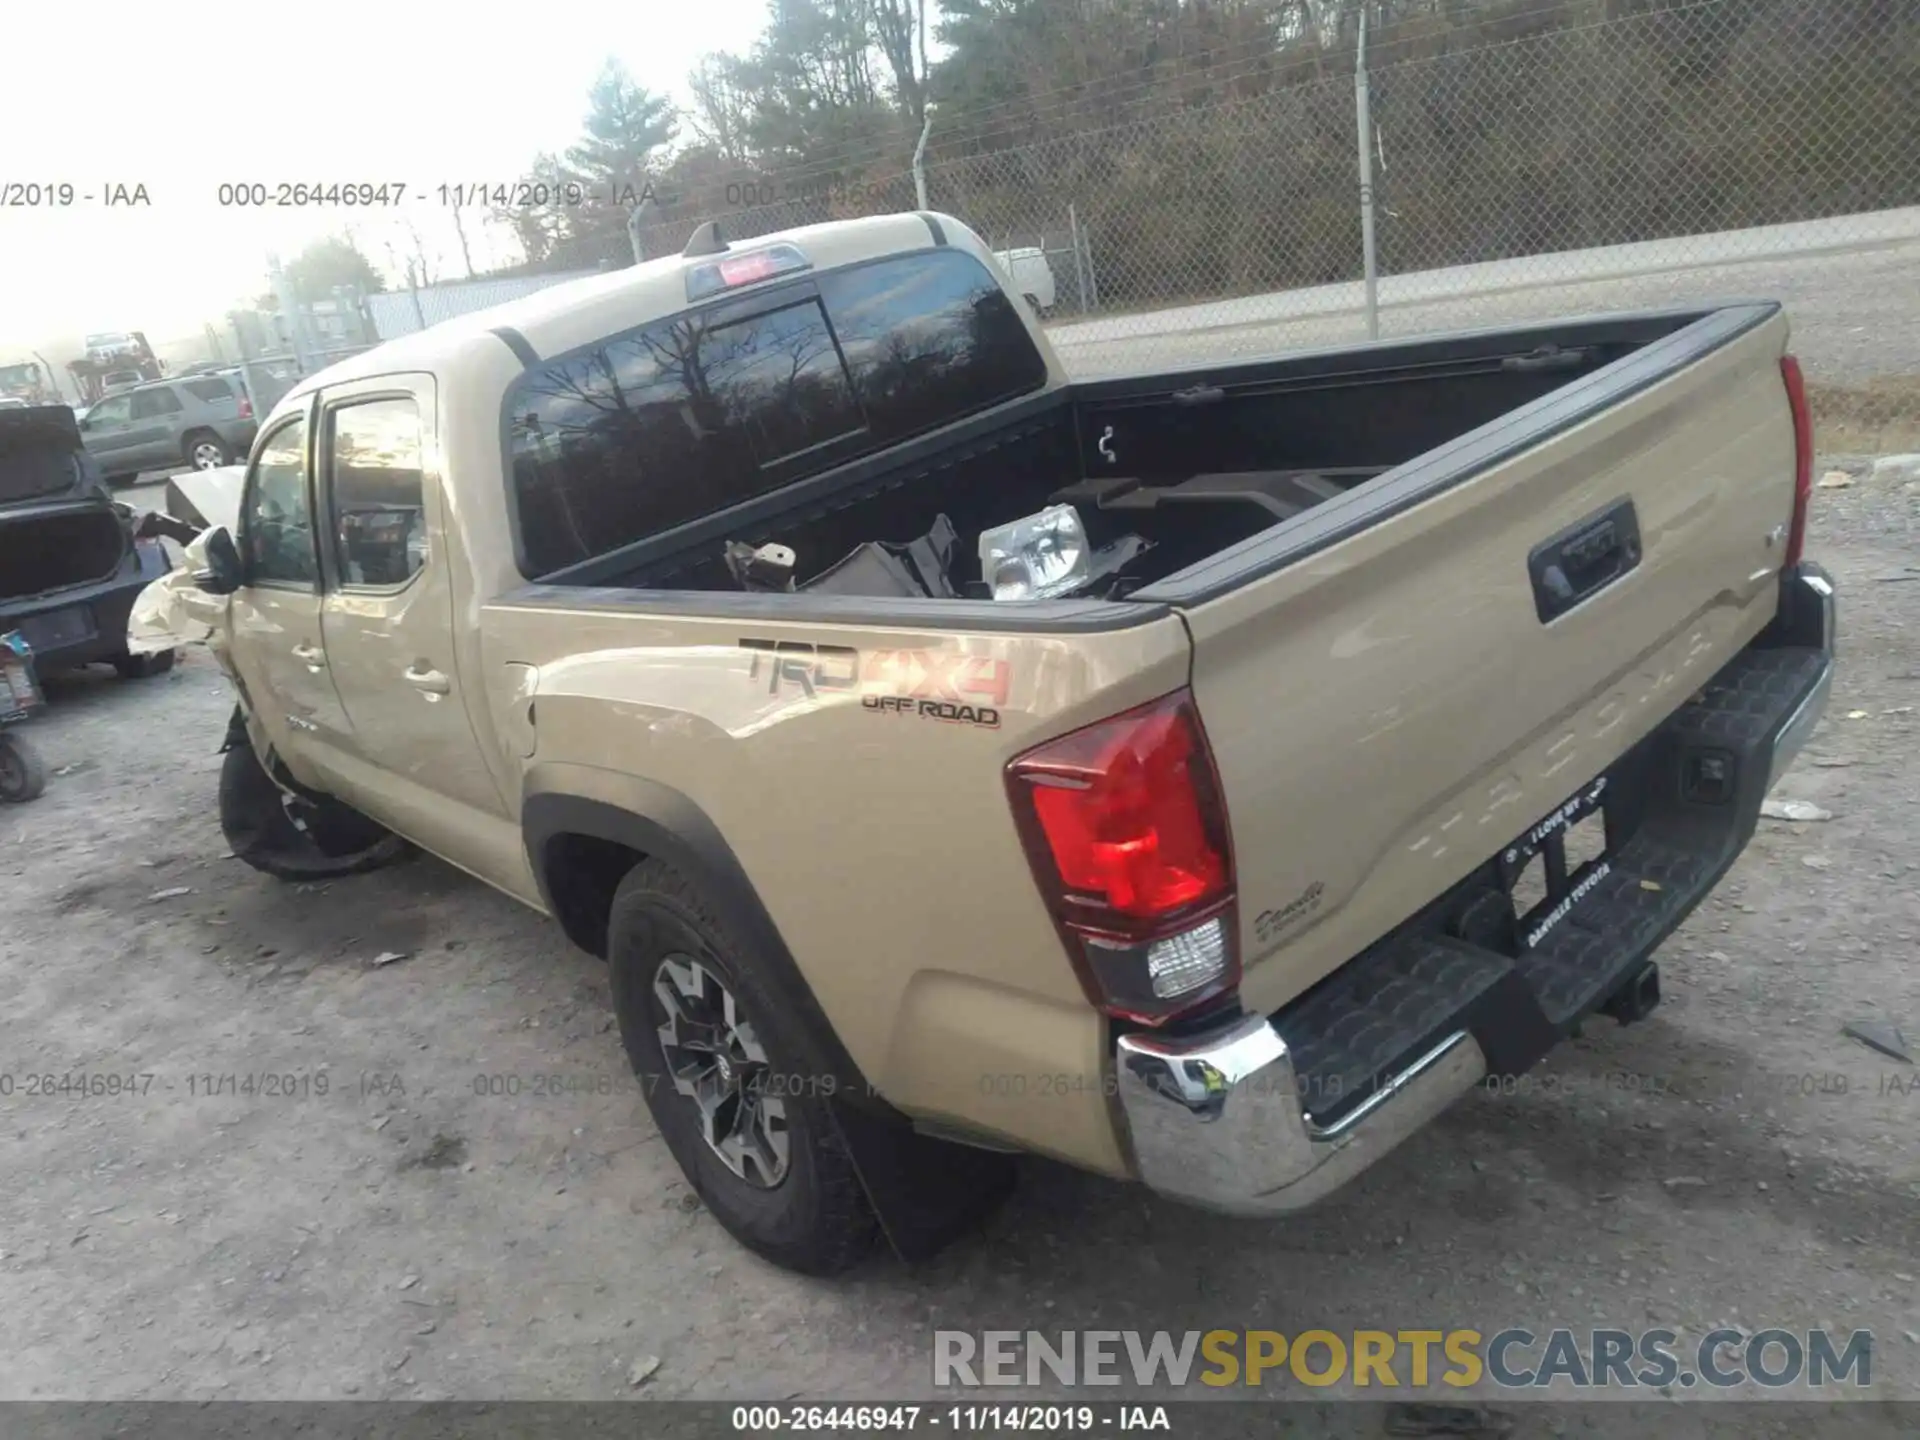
column 1079, row 264
column 1363, row 125
column 290, row 307
column 1086, row 268
column 919, row 161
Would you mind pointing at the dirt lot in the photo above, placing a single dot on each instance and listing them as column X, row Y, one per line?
column 370, row 1225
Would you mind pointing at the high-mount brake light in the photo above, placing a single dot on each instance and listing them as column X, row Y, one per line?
column 748, row 267
column 1126, row 831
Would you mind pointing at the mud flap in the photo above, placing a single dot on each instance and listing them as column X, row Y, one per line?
column 925, row 1192
column 236, row 732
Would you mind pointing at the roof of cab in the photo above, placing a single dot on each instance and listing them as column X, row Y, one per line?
column 563, row 317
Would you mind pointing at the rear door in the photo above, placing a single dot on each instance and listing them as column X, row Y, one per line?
column 213, row 404
column 151, row 438
column 389, row 626
column 1390, row 711
column 275, row 625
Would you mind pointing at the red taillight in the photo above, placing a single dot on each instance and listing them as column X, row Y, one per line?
column 246, row 408
column 1127, row 834
column 1802, row 455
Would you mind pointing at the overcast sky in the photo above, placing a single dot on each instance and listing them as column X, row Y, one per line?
column 181, row 98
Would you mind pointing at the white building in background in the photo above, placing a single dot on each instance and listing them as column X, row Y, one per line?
column 404, row 311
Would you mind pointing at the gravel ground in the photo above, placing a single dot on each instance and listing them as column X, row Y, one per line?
column 1854, row 315
column 401, row 1235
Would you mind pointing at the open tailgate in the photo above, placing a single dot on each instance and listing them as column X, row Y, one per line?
column 1391, row 709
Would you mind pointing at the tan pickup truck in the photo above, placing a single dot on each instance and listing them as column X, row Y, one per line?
column 1202, row 777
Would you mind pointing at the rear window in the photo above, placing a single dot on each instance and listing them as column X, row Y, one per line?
column 210, row 389
column 149, row 403
column 670, row 423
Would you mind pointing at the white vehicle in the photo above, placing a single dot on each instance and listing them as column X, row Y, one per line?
column 1032, row 276
column 107, row 344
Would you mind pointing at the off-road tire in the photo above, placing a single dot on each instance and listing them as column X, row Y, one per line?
column 816, row 1219
column 143, row 667
column 338, row 841
column 23, row 770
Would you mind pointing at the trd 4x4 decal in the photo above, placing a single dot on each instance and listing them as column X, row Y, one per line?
column 935, row 684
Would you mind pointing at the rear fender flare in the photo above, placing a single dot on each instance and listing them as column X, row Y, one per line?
column 657, row 820
column 924, row 1191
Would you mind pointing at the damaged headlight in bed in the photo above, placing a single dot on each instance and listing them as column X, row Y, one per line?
column 1037, row 557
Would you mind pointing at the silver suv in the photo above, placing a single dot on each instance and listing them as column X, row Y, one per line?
column 202, row 421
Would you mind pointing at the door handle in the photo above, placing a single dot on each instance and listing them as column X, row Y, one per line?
column 310, row 655
column 431, row 681
column 1584, row 560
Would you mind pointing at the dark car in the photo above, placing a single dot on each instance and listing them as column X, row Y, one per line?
column 70, row 563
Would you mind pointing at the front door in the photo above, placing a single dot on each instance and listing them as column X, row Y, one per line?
column 109, row 430
column 276, row 636
column 389, row 622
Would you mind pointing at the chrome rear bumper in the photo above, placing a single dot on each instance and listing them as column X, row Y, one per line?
column 1218, row 1120
column 1811, row 589
column 1224, row 1120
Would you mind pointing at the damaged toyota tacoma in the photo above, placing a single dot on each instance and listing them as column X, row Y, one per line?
column 72, row 559
column 1203, row 778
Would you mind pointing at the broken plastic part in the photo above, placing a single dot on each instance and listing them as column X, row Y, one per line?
column 919, row 568
column 764, row 567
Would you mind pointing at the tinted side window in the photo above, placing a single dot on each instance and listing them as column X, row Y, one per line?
column 929, row 338
column 376, row 485
column 276, row 518
column 111, row 411
column 210, row 389
column 149, row 403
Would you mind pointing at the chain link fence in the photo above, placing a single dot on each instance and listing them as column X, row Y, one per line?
column 1593, row 155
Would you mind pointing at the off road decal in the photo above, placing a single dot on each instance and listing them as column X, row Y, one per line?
column 932, row 684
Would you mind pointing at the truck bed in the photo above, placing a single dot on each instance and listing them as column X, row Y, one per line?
column 1193, row 462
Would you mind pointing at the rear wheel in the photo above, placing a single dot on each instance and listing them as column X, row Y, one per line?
column 296, row 839
column 726, row 1086
column 206, row 451
column 23, row 773
column 143, row 667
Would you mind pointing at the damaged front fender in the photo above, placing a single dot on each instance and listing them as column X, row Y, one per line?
column 174, row 611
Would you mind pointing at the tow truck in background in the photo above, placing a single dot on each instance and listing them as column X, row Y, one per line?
column 29, row 382
column 113, row 360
